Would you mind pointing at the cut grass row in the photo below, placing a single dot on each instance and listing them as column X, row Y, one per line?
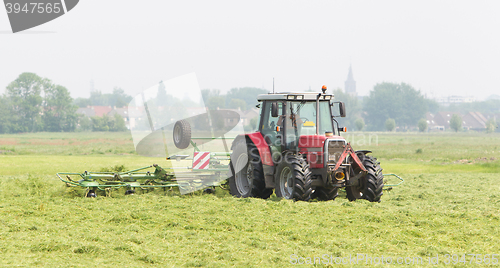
column 444, row 207
column 46, row 224
column 49, row 165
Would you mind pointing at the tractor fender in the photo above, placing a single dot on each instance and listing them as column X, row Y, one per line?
column 363, row 151
column 361, row 154
column 258, row 140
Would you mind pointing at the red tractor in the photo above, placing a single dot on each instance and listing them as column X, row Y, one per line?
column 298, row 151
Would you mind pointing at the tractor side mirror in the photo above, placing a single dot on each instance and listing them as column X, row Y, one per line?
column 342, row 109
column 274, row 109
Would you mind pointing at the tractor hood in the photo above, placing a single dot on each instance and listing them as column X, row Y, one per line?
column 315, row 141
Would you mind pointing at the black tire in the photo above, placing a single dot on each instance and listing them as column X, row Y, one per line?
column 245, row 164
column 325, row 194
column 294, row 169
column 370, row 187
column 182, row 134
column 91, row 194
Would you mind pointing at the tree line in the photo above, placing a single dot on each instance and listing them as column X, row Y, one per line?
column 33, row 104
column 392, row 105
column 388, row 105
column 243, row 98
column 116, row 99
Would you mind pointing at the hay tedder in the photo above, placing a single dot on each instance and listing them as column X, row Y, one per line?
column 296, row 152
column 207, row 171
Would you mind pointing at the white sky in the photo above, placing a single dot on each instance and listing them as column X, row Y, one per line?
column 440, row 47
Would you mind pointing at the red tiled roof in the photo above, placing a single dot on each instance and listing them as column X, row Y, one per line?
column 101, row 110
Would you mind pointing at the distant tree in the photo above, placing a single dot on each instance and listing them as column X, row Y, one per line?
column 205, row 95
column 353, row 107
column 100, row 123
column 216, row 102
column 243, row 98
column 24, row 95
column 432, row 106
column 390, row 124
column 247, row 94
column 98, row 99
column 488, row 106
column 118, row 99
column 59, row 112
column 422, row 125
column 252, row 125
column 82, row 102
column 456, row 122
column 84, row 123
column 238, row 104
column 162, row 98
column 491, row 125
column 118, row 124
column 5, row 115
column 35, row 104
column 398, row 101
column 106, row 123
column 360, row 124
column 213, row 99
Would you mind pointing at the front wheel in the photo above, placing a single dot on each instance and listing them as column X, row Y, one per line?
column 370, row 186
column 294, row 178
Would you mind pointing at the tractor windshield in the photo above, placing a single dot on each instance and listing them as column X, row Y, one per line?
column 301, row 119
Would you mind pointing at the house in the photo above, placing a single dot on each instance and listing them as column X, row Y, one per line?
column 100, row 111
column 470, row 121
column 87, row 111
column 474, row 121
column 123, row 112
column 246, row 116
column 433, row 124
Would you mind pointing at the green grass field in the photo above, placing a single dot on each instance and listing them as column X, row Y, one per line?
column 449, row 204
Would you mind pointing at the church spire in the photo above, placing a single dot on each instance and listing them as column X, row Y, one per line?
column 350, row 84
column 349, row 76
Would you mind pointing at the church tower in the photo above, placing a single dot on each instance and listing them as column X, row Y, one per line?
column 350, row 84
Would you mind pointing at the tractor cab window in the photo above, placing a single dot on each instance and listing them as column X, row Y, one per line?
column 268, row 124
column 301, row 120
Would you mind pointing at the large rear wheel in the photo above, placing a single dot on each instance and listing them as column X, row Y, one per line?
column 294, row 178
column 370, row 186
column 247, row 178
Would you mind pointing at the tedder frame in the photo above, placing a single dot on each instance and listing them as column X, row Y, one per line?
column 188, row 178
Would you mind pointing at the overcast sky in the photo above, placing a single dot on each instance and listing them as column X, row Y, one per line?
column 440, row 47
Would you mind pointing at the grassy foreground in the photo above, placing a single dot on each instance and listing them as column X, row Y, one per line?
column 446, row 206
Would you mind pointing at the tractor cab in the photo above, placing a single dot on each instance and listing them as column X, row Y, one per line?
column 285, row 117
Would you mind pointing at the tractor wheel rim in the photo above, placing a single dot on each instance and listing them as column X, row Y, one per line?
column 177, row 134
column 286, row 183
column 243, row 175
